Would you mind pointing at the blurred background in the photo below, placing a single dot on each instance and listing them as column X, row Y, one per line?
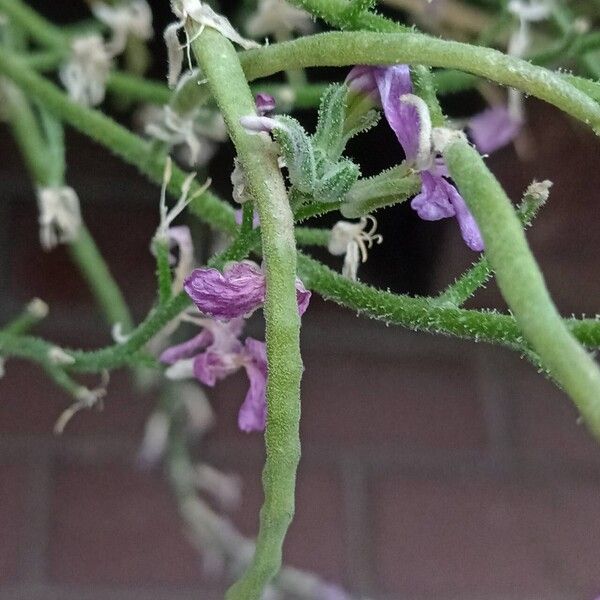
column 432, row 467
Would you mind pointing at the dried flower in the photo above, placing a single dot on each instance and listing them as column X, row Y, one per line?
column 409, row 118
column 204, row 16
column 59, row 215
column 87, row 70
column 353, row 241
column 278, row 18
column 132, row 17
column 236, row 292
column 196, row 132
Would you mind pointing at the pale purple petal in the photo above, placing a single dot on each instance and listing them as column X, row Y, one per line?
column 236, row 292
column 331, row 591
column 361, row 79
column 253, row 412
column 256, row 124
column 187, row 349
column 265, row 103
column 433, row 202
column 493, row 129
column 212, row 366
column 181, row 237
column 468, row 227
column 393, row 82
column 302, row 296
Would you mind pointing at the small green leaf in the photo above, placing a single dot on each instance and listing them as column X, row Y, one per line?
column 329, row 135
column 337, row 181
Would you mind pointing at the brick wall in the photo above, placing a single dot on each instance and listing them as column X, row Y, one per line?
column 432, row 468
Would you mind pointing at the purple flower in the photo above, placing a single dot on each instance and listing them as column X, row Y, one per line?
column 438, row 198
column 236, row 292
column 215, row 353
column 493, row 128
column 265, row 103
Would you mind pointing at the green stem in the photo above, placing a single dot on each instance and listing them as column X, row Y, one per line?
column 219, row 62
column 34, row 312
column 478, row 275
column 118, row 139
column 95, row 271
column 339, row 49
column 521, row 281
column 163, row 270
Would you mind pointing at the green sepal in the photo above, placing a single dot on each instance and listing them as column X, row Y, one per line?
column 298, row 154
column 329, row 135
column 337, row 181
column 389, row 187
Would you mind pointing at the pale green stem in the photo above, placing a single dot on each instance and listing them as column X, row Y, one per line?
column 521, row 281
column 220, row 64
column 340, row 49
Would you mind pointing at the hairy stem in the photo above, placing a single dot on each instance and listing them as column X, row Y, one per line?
column 219, row 62
column 350, row 48
column 521, row 281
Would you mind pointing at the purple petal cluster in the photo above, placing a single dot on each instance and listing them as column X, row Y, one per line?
column 236, row 292
column 217, row 352
column 438, row 198
column 493, row 128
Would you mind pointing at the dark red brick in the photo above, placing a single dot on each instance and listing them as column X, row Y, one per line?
column 113, row 525
column 445, row 538
column 421, row 402
column 12, row 498
column 31, row 403
column 546, row 423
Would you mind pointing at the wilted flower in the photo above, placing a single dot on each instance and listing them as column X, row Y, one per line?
column 408, row 117
column 278, row 18
column 236, row 292
column 87, row 70
column 59, row 215
column 215, row 353
column 132, row 17
column 204, row 16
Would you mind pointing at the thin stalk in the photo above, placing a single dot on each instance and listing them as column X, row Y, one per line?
column 341, row 48
column 220, row 64
column 521, row 281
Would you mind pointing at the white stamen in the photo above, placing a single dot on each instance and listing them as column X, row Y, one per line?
column 197, row 131
column 128, row 18
column 37, row 308
column 86, row 398
column 87, row 70
column 156, row 434
column 204, row 16
column 168, row 216
column 353, row 241
column 279, row 18
column 117, row 333
column 59, row 215
column 424, row 156
column 57, row 356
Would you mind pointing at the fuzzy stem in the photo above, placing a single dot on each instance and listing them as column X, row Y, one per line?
column 219, row 62
column 341, row 48
column 521, row 281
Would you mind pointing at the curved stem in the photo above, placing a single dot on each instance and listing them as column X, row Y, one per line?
column 351, row 48
column 521, row 281
column 219, row 62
